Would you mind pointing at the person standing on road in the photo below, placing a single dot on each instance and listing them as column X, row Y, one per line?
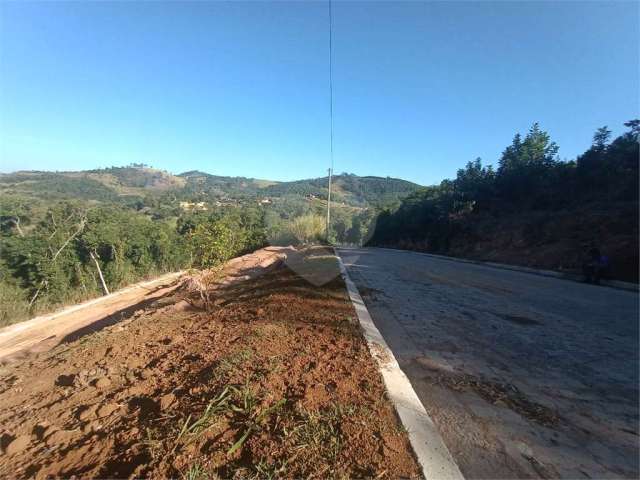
column 594, row 266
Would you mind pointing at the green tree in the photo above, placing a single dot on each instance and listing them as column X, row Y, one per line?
column 601, row 138
column 525, row 168
column 354, row 234
column 474, row 184
column 212, row 244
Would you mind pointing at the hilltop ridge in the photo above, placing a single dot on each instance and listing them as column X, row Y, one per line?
column 138, row 180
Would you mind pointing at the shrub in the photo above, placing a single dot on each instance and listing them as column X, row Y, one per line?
column 308, row 228
column 212, row 244
column 14, row 305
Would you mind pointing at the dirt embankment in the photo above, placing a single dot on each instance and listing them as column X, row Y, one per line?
column 39, row 334
column 555, row 240
column 273, row 380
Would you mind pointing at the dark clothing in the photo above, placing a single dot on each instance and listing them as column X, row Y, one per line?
column 592, row 272
column 595, row 266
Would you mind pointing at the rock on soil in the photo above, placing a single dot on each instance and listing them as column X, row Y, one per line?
column 61, row 438
column 102, row 383
column 108, row 409
column 166, row 401
column 18, row 444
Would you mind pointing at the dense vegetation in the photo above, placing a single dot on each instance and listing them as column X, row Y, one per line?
column 67, row 252
column 69, row 236
column 591, row 200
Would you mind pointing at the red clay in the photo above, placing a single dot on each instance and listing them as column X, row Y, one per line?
column 274, row 380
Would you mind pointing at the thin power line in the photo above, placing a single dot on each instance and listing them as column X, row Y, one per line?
column 330, row 117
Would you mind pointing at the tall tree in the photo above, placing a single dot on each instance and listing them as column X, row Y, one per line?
column 601, row 138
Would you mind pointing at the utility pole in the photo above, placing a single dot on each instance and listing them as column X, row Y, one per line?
column 329, row 204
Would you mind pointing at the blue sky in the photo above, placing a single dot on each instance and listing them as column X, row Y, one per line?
column 235, row 88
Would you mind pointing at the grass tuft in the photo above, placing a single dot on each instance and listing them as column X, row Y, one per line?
column 209, row 417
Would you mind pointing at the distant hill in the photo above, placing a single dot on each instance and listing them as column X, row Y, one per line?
column 133, row 179
column 221, row 187
column 126, row 183
column 349, row 189
column 56, row 186
column 102, row 185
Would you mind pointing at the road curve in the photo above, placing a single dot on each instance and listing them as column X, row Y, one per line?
column 525, row 376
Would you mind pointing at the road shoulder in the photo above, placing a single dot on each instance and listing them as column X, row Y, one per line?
column 433, row 455
column 617, row 284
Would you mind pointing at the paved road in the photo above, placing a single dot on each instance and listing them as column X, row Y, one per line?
column 525, row 376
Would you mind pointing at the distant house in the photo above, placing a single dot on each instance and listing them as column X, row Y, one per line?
column 226, row 203
column 265, row 201
column 188, row 206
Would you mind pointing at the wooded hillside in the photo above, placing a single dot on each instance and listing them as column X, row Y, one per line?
column 532, row 210
column 69, row 236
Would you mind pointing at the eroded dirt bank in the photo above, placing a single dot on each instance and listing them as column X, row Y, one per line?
column 20, row 340
column 557, row 240
column 274, row 380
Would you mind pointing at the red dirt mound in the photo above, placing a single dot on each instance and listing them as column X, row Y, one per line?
column 274, row 380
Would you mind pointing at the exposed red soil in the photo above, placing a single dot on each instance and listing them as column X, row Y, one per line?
column 274, row 380
column 42, row 333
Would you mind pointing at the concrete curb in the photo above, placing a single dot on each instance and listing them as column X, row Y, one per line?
column 432, row 454
column 18, row 327
column 534, row 271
